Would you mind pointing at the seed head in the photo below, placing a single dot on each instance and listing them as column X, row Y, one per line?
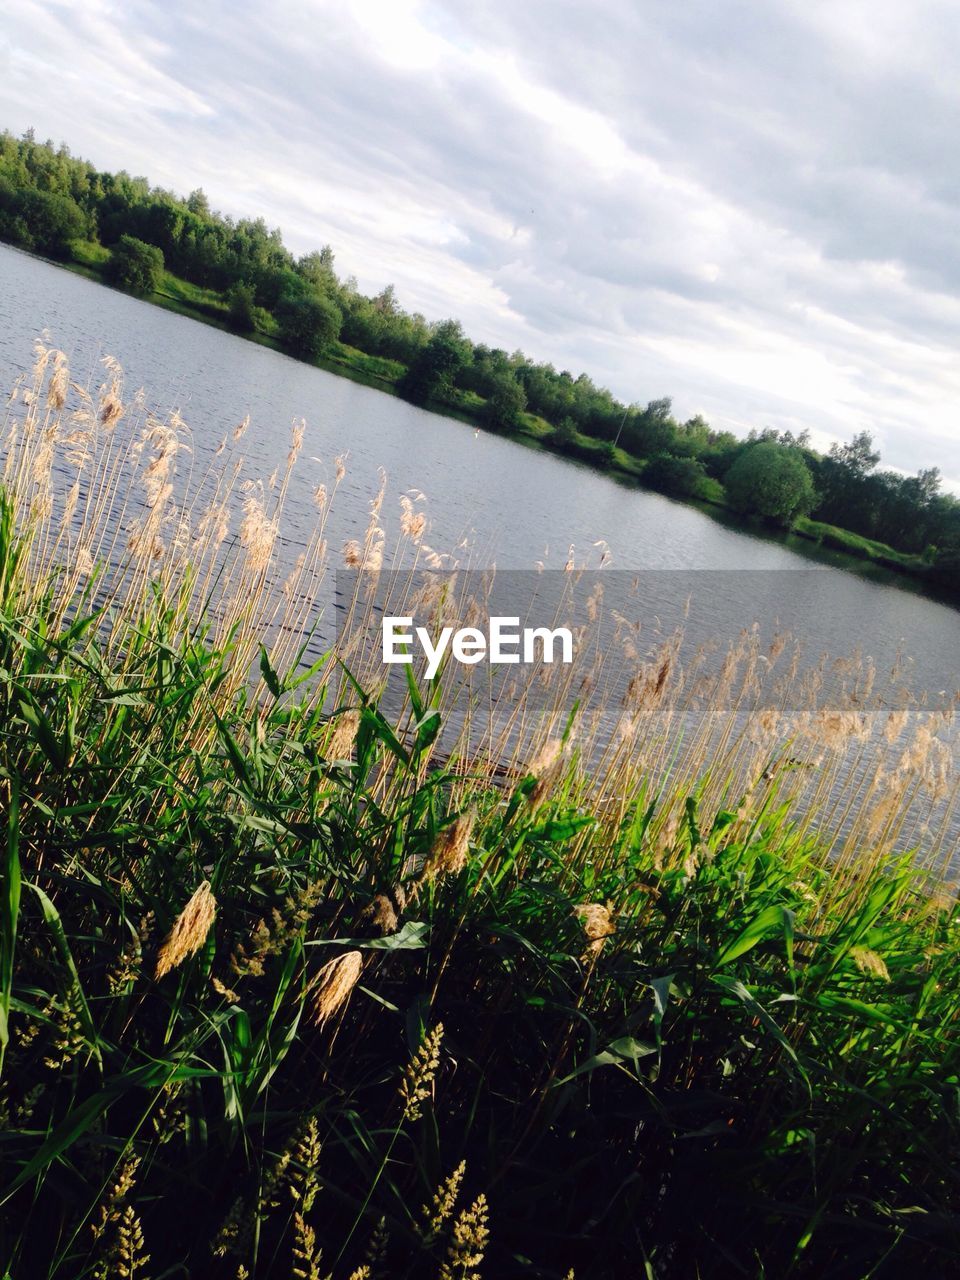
column 333, row 984
column 471, row 1234
column 436, row 1213
column 341, row 740
column 448, row 856
column 189, row 932
column 597, row 923
column 870, row 963
column 382, row 914
column 417, row 1083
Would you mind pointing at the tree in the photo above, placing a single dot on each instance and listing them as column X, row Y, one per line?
column 241, row 307
column 309, row 323
column 771, row 481
column 504, row 405
column 858, row 457
column 198, row 203
column 135, row 266
column 317, row 267
column 681, row 477
column 40, row 220
column 435, row 368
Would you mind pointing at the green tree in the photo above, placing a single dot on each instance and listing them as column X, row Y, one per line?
column 309, row 323
column 681, row 477
column 858, row 457
column 771, row 481
column 241, row 307
column 40, row 220
column 504, row 405
column 135, row 266
column 317, row 267
column 434, row 369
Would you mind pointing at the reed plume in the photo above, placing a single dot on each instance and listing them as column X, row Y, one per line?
column 189, row 931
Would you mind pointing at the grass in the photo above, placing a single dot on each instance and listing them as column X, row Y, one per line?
column 293, row 988
column 837, row 539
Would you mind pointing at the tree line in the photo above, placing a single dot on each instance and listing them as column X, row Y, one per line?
column 50, row 201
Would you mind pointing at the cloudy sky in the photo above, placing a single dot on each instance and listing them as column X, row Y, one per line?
column 749, row 206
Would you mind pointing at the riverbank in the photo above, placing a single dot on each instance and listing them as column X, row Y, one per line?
column 817, row 541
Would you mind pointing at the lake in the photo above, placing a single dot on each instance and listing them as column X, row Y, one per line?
column 676, row 585
column 513, row 506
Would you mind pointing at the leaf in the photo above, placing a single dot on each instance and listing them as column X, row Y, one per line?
column 616, row 1054
column 270, row 677
column 770, row 920
column 722, row 821
column 734, row 987
column 661, row 996
column 877, row 1015
column 52, row 917
column 9, row 910
column 558, row 829
column 414, row 935
column 426, row 730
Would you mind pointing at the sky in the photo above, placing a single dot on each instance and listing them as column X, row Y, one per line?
column 750, row 206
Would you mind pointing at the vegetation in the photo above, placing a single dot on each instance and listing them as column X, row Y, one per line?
column 135, row 266
column 291, row 988
column 240, row 273
column 771, row 481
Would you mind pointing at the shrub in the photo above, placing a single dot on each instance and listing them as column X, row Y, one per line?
column 773, row 481
column 678, row 477
column 135, row 265
column 309, row 324
column 241, row 307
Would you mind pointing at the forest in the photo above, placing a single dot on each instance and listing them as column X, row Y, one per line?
column 57, row 205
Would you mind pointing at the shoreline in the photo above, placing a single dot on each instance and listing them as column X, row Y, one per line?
column 808, row 538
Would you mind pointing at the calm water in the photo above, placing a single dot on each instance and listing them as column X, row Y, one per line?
column 514, row 506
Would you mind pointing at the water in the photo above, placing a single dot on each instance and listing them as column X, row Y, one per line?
column 513, row 506
column 488, row 500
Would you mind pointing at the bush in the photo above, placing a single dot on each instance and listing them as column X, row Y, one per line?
column 678, row 477
column 773, row 481
column 309, row 323
column 504, row 405
column 135, row 265
column 242, row 308
column 40, row 220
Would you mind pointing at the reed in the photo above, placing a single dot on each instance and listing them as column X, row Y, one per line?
column 297, row 980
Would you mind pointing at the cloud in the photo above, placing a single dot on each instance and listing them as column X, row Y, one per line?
column 750, row 207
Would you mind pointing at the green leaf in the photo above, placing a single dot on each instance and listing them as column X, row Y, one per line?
column 426, row 730
column 734, row 987
column 9, row 911
column 270, row 677
column 563, row 828
column 616, row 1054
column 877, row 1015
column 413, row 936
column 771, row 920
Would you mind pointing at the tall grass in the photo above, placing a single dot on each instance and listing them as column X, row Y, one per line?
column 293, row 988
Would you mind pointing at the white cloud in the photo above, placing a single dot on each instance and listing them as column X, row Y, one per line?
column 754, row 211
